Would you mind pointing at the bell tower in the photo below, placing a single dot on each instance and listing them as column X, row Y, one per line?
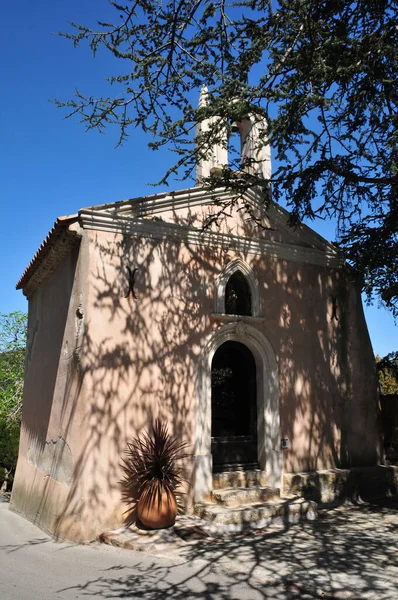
column 254, row 147
column 216, row 155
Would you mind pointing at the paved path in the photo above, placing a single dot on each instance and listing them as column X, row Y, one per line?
column 352, row 553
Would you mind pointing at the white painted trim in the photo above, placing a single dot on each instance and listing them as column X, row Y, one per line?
column 237, row 264
column 157, row 203
column 268, row 421
column 234, row 318
column 160, row 230
column 149, row 205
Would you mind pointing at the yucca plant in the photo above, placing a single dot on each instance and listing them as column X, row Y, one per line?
column 150, row 467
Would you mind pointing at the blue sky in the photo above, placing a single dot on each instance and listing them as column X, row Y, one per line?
column 49, row 165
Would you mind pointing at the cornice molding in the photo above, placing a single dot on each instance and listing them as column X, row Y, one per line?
column 158, row 230
column 201, row 196
column 157, row 203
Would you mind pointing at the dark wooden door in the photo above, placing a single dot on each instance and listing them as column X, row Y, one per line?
column 234, row 408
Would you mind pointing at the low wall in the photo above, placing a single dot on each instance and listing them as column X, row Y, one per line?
column 335, row 485
column 389, row 421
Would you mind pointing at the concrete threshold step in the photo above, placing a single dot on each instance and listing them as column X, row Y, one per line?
column 246, row 479
column 240, row 496
column 257, row 515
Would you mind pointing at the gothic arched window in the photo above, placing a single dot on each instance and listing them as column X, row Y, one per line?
column 238, row 298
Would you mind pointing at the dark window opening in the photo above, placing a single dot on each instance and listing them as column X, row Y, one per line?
column 238, row 300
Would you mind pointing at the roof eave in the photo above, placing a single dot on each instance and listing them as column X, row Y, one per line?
column 61, row 226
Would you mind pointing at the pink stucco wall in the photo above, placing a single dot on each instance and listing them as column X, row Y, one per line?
column 96, row 379
column 51, row 425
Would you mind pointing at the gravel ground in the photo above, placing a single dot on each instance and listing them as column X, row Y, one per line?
column 350, row 553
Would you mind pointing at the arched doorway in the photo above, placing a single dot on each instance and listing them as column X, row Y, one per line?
column 267, row 396
column 233, row 408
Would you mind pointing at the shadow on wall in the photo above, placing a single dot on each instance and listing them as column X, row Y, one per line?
column 138, row 359
column 338, row 485
column 49, row 390
column 135, row 359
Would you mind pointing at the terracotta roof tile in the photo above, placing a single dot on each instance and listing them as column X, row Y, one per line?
column 59, row 226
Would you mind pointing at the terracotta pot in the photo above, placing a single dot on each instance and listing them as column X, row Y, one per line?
column 157, row 510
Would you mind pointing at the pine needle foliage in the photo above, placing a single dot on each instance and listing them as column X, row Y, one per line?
column 323, row 74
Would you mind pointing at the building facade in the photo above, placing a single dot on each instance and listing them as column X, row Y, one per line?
column 247, row 337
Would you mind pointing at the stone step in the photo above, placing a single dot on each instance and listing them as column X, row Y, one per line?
column 239, row 479
column 258, row 515
column 241, row 496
